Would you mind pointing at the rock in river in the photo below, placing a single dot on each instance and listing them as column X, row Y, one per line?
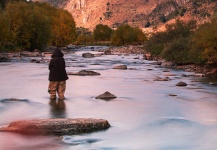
column 57, row 126
column 87, row 55
column 107, row 96
column 123, row 67
column 181, row 84
column 84, row 73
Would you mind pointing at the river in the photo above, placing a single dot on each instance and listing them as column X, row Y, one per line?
column 144, row 116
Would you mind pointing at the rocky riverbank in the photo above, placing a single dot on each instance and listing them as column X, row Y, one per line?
column 39, row 57
column 200, row 70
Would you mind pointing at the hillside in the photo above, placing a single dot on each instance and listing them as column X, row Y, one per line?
column 148, row 14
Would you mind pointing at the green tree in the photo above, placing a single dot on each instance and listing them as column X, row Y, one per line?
column 155, row 43
column 63, row 28
column 102, row 32
column 126, row 34
column 84, row 39
column 174, row 44
column 4, row 31
column 29, row 25
column 40, row 28
column 205, row 45
column 34, row 25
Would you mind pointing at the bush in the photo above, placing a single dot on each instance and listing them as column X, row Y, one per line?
column 102, row 33
column 178, row 51
column 4, row 31
column 34, row 25
column 125, row 35
column 205, row 43
column 174, row 43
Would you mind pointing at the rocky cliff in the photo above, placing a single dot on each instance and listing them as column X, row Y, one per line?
column 147, row 14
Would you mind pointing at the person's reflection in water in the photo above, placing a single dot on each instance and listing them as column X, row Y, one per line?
column 58, row 109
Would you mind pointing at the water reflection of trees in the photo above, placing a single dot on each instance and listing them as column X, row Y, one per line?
column 57, row 109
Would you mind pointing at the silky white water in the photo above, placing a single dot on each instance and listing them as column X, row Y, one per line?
column 142, row 117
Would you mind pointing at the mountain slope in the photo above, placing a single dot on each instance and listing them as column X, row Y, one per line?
column 152, row 14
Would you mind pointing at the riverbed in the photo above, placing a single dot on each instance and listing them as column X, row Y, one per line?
column 146, row 115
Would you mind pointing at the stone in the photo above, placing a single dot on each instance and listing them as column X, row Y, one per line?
column 147, row 56
column 181, row 84
column 123, row 67
column 169, row 74
column 98, row 55
column 214, row 71
column 184, row 75
column 87, row 55
column 34, row 61
column 162, row 79
column 107, row 52
column 199, row 75
column 156, row 63
column 46, row 54
column 212, row 83
column 57, row 126
column 167, row 64
column 4, row 59
column 14, row 100
column 85, row 73
column 107, row 96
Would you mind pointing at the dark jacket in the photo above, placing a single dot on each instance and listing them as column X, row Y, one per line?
column 57, row 67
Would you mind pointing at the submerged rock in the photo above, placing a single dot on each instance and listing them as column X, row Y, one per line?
column 172, row 95
column 162, row 79
column 57, row 126
column 14, row 100
column 181, row 84
column 107, row 96
column 123, row 67
column 85, row 73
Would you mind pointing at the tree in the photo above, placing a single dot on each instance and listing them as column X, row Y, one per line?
column 4, row 31
column 30, row 27
column 205, row 45
column 34, row 25
column 174, row 44
column 126, row 34
column 63, row 28
column 84, row 39
column 102, row 32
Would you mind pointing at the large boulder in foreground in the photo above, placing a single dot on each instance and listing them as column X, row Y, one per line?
column 85, row 73
column 57, row 126
column 106, row 96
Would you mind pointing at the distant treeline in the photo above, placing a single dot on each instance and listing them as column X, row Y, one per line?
column 185, row 43
column 32, row 25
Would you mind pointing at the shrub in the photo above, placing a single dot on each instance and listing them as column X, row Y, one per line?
column 125, row 35
column 205, row 43
column 102, row 33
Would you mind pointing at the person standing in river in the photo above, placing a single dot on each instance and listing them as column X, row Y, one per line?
column 57, row 75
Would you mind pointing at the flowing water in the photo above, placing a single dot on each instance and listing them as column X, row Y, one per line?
column 144, row 116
